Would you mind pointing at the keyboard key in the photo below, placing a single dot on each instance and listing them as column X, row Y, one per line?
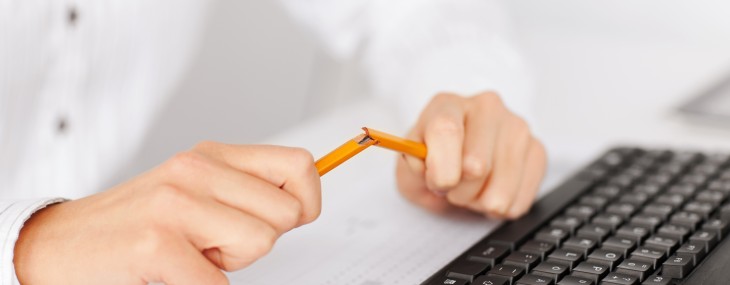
column 594, row 232
column 646, row 221
column 467, row 270
column 725, row 212
column 657, row 280
column 622, row 245
column 573, row 280
column 582, row 212
column 673, row 231
column 567, row 257
column 711, row 196
column 539, row 248
column 525, row 260
column 512, row 273
column 720, row 185
column 531, row 279
column 592, row 271
column 700, row 208
column 668, row 170
column 706, row 169
column 489, row 280
column 491, row 254
column 635, row 268
column 674, row 200
column 660, row 179
column 553, row 270
column 622, row 279
column 687, row 219
column 693, row 249
column 608, row 191
column 708, row 238
column 686, row 190
column 677, row 267
column 636, row 199
column 609, row 221
column 449, row 281
column 610, row 258
column 649, row 255
column 625, row 210
column 580, row 244
column 594, row 201
column 696, row 179
column 648, row 189
column 570, row 224
column 658, row 210
column 552, row 235
column 622, row 180
column 719, row 226
column 664, row 243
column 637, row 233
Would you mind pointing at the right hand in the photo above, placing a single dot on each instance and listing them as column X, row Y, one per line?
column 215, row 207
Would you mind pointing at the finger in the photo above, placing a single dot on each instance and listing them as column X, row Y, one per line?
column 534, row 172
column 291, row 169
column 483, row 117
column 444, row 135
column 207, row 224
column 239, row 190
column 413, row 187
column 415, row 164
column 512, row 142
column 182, row 264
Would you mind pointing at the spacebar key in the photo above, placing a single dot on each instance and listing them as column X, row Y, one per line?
column 516, row 232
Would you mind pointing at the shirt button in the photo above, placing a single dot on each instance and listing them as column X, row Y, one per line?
column 62, row 125
column 73, row 16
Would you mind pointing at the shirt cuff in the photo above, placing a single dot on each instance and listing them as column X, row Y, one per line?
column 13, row 215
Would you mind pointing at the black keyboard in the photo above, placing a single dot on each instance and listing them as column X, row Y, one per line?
column 633, row 216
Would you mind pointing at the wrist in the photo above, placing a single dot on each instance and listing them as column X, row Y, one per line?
column 27, row 251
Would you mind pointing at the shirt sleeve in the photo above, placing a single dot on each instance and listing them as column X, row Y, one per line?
column 411, row 50
column 13, row 215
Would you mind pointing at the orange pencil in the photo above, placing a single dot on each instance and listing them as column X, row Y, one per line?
column 363, row 141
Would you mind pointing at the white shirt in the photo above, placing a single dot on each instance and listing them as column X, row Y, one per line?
column 81, row 80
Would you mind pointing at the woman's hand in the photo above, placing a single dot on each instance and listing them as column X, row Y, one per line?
column 215, row 207
column 480, row 156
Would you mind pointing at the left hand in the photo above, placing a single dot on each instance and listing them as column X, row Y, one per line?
column 481, row 157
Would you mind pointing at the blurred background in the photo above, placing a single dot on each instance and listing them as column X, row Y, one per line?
column 605, row 72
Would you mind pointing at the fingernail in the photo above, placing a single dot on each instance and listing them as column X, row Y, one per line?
column 439, row 193
column 497, row 206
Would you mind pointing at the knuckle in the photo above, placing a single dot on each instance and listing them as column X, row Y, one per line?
column 290, row 217
column 310, row 217
column 150, row 242
column 456, row 199
column 520, row 124
column 488, row 99
column 183, row 162
column 444, row 125
column 302, row 159
column 220, row 279
column 443, row 96
column 445, row 182
column 473, row 167
column 166, row 196
column 263, row 244
column 206, row 145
